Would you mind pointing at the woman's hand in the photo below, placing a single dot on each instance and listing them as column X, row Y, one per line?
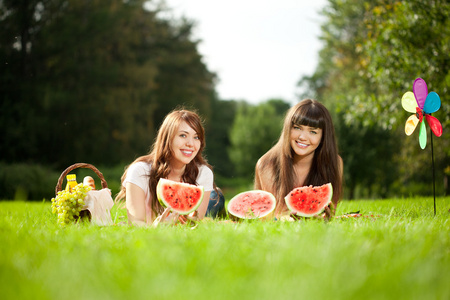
column 173, row 218
column 329, row 213
column 185, row 219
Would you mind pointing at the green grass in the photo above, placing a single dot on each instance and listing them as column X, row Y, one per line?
column 404, row 253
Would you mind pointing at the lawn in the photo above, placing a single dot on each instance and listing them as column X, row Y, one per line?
column 403, row 252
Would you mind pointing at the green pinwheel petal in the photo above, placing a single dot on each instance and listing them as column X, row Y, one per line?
column 422, row 135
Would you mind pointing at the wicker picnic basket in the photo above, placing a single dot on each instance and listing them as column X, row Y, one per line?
column 83, row 213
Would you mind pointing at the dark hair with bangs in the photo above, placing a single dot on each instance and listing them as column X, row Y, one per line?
column 279, row 159
column 312, row 116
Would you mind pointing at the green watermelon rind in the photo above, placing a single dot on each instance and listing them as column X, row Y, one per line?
column 287, row 199
column 247, row 215
column 163, row 182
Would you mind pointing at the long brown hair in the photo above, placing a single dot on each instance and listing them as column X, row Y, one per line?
column 325, row 166
column 161, row 154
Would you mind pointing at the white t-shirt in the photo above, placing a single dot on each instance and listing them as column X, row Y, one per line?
column 138, row 174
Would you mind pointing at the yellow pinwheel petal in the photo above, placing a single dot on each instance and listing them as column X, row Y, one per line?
column 409, row 102
column 411, row 124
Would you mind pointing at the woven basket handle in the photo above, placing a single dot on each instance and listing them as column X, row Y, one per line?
column 75, row 166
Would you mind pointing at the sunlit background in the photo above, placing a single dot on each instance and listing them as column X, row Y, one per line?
column 91, row 81
column 259, row 49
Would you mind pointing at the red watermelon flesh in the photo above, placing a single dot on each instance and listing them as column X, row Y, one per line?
column 252, row 204
column 308, row 201
column 182, row 198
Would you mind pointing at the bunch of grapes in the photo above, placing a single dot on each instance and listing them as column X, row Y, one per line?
column 68, row 204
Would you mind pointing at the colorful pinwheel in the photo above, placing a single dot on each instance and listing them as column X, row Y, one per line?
column 422, row 104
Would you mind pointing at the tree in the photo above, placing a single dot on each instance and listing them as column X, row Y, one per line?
column 368, row 153
column 373, row 51
column 255, row 130
column 92, row 80
column 218, row 129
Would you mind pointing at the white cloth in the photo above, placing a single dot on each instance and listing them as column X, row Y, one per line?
column 99, row 204
column 138, row 174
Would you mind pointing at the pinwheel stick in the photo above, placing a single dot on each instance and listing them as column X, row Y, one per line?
column 434, row 180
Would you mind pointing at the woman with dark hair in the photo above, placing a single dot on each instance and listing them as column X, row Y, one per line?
column 305, row 154
column 175, row 155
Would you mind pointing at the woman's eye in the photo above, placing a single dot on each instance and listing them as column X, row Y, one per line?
column 196, row 137
column 182, row 135
column 313, row 132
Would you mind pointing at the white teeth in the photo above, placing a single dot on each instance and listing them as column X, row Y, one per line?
column 301, row 145
column 187, row 152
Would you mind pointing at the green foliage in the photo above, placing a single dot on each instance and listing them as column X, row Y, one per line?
column 218, row 136
column 27, row 182
column 373, row 51
column 92, row 80
column 231, row 186
column 368, row 162
column 408, row 39
column 401, row 253
column 36, row 182
column 255, row 130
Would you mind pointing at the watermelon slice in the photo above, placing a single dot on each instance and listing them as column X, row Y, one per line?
column 252, row 204
column 308, row 201
column 182, row 198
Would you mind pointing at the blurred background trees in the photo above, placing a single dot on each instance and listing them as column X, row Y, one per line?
column 91, row 81
column 372, row 52
column 255, row 130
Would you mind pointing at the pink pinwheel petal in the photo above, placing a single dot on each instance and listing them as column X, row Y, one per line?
column 420, row 91
column 411, row 124
column 409, row 102
column 432, row 103
column 422, row 136
column 435, row 125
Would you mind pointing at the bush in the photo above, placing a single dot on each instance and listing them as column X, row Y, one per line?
column 112, row 176
column 35, row 182
column 27, row 182
column 233, row 186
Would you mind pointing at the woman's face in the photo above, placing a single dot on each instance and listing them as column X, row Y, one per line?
column 305, row 140
column 185, row 145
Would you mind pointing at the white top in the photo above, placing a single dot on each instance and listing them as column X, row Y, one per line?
column 138, row 174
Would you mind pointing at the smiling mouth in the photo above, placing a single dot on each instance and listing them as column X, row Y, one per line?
column 187, row 153
column 301, row 145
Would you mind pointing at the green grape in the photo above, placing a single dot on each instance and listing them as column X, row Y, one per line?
column 67, row 204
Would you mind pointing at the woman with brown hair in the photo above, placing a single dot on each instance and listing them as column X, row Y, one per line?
column 175, row 155
column 305, row 154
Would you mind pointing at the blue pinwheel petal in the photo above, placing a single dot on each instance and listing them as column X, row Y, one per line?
column 432, row 103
